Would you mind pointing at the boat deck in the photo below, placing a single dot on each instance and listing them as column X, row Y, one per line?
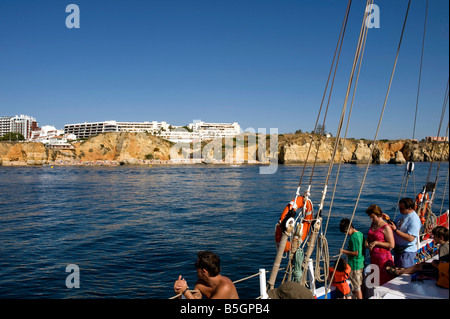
column 402, row 287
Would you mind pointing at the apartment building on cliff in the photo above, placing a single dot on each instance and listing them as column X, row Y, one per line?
column 198, row 130
column 215, row 130
column 83, row 130
column 23, row 124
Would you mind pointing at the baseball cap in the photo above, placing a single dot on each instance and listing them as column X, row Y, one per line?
column 290, row 290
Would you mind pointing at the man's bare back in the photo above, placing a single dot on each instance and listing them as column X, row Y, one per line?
column 210, row 283
column 223, row 288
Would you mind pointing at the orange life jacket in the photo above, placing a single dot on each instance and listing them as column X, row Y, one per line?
column 340, row 280
column 443, row 275
column 421, row 211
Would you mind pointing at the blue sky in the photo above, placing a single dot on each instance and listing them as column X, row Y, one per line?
column 261, row 63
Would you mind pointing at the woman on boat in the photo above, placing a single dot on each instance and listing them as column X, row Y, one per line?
column 380, row 241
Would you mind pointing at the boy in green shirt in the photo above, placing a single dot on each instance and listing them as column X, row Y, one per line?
column 355, row 256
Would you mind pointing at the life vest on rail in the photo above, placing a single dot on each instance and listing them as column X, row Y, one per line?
column 421, row 209
column 340, row 279
column 288, row 212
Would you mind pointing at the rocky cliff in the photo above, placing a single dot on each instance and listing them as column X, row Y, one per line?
column 134, row 148
column 293, row 148
column 126, row 148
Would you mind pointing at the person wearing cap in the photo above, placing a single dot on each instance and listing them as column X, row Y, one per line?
column 290, row 290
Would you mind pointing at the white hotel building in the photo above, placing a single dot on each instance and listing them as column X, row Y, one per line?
column 22, row 124
column 199, row 129
column 83, row 130
column 215, row 130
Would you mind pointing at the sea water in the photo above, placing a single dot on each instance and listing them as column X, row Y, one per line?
column 132, row 230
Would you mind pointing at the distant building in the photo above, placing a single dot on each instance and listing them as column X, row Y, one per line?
column 215, row 130
column 437, row 138
column 196, row 131
column 179, row 135
column 45, row 132
column 52, row 138
column 22, row 124
column 83, row 130
column 57, row 142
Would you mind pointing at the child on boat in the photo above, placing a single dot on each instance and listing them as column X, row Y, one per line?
column 355, row 254
column 341, row 275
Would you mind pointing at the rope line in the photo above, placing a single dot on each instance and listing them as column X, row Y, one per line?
column 337, row 54
column 346, row 129
column 234, row 282
column 420, row 69
column 444, row 107
column 327, row 288
column 407, row 174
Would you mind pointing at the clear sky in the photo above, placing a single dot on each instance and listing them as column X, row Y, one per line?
column 262, row 63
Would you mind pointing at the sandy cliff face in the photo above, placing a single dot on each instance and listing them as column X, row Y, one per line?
column 294, row 149
column 13, row 153
column 127, row 148
column 132, row 148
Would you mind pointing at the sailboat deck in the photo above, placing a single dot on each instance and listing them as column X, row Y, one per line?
column 402, row 287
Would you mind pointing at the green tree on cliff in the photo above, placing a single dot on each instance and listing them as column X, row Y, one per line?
column 12, row 137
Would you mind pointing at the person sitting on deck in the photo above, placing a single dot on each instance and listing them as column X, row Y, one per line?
column 210, row 282
column 439, row 268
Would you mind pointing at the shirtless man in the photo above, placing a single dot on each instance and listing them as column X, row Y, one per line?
column 210, row 283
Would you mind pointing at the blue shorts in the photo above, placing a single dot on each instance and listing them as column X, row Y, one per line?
column 404, row 260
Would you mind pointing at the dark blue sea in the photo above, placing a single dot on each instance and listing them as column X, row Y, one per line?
column 132, row 230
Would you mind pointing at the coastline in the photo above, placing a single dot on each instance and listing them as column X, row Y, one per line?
column 156, row 163
column 115, row 149
column 122, row 163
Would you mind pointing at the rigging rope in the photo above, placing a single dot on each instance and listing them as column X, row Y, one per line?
column 297, row 272
column 445, row 190
column 334, row 65
column 359, row 50
column 430, row 216
column 420, row 69
column 444, row 107
column 346, row 129
column 408, row 169
column 425, row 205
column 327, row 288
column 322, row 255
column 338, row 53
column 318, row 224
